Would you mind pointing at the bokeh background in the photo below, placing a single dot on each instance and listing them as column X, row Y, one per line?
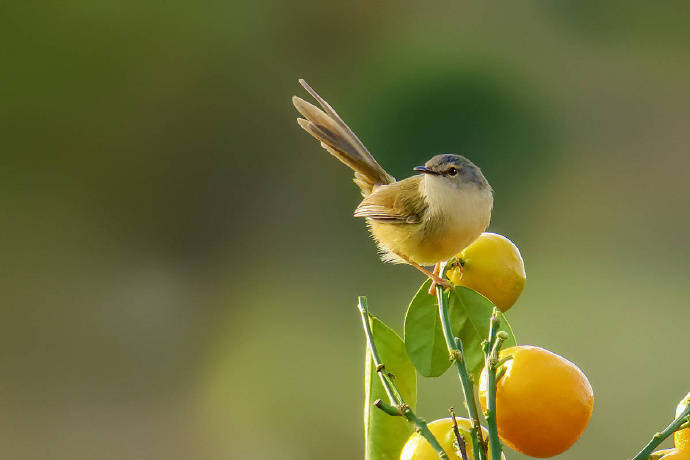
column 179, row 263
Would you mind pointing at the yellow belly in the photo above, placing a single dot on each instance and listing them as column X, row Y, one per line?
column 454, row 218
column 425, row 243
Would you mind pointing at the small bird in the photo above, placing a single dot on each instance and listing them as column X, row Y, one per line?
column 425, row 219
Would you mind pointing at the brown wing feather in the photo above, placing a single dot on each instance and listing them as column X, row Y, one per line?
column 399, row 202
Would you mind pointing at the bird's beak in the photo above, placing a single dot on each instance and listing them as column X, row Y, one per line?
column 425, row 170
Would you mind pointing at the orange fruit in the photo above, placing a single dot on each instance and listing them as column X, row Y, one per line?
column 677, row 454
column 417, row 448
column 681, row 438
column 543, row 401
column 492, row 266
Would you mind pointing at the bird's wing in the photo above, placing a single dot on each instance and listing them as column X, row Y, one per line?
column 399, row 202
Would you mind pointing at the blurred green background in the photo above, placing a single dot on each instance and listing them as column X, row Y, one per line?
column 179, row 261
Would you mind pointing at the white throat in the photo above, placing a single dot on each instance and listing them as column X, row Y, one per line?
column 458, row 204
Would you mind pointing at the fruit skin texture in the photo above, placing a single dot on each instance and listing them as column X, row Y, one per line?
column 493, row 267
column 543, row 401
column 677, row 454
column 681, row 438
column 417, row 448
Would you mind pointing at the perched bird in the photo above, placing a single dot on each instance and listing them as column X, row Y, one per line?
column 425, row 219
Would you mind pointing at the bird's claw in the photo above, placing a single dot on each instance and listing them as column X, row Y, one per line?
column 438, row 281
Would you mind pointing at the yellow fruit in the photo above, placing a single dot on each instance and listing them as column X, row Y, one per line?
column 681, row 439
column 543, row 401
column 492, row 266
column 417, row 448
column 677, row 454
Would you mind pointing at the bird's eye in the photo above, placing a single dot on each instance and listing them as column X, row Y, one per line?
column 452, row 171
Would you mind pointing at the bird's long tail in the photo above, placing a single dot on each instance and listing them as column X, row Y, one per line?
column 339, row 140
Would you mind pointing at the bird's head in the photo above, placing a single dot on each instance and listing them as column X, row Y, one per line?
column 454, row 170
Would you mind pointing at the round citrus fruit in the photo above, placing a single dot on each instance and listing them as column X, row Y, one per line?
column 677, row 454
column 491, row 265
column 417, row 448
column 681, row 438
column 543, row 401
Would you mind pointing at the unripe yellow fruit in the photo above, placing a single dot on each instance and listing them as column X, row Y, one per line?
column 543, row 401
column 417, row 448
column 681, row 438
column 492, row 266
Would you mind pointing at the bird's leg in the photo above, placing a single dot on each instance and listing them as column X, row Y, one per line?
column 437, row 270
column 433, row 275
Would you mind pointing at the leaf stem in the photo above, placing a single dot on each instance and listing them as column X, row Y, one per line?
column 454, row 345
column 658, row 438
column 397, row 406
column 491, row 349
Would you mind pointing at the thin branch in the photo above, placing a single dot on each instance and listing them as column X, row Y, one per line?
column 387, row 408
column 500, row 373
column 658, row 438
column 397, row 406
column 462, row 447
column 504, row 360
column 491, row 349
column 454, row 345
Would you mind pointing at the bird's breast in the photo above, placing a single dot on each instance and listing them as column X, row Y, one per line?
column 455, row 222
column 452, row 220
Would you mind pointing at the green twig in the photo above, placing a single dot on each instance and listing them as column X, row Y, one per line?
column 491, row 363
column 504, row 360
column 454, row 345
column 500, row 373
column 397, row 406
column 658, row 438
column 462, row 447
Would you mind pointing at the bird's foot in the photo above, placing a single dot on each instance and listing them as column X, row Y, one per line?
column 435, row 279
column 438, row 281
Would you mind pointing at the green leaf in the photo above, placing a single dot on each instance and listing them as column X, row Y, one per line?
column 469, row 314
column 424, row 336
column 386, row 435
column 469, row 317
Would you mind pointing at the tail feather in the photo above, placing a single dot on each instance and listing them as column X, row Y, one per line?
column 339, row 140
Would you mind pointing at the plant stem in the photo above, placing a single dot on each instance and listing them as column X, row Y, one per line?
column 658, row 438
column 462, row 448
column 397, row 406
column 454, row 345
column 491, row 349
